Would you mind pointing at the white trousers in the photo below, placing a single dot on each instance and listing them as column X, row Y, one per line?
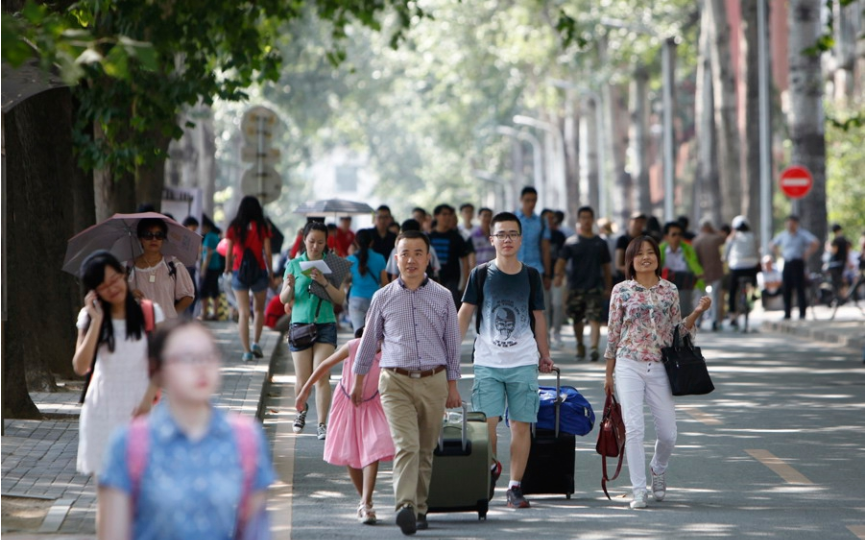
column 638, row 382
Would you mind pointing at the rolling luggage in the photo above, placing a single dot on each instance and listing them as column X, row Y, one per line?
column 461, row 465
column 550, row 468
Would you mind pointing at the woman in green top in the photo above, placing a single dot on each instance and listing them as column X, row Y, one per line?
column 302, row 305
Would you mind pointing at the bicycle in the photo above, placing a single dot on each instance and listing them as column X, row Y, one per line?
column 851, row 295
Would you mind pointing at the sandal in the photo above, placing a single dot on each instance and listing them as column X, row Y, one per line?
column 366, row 514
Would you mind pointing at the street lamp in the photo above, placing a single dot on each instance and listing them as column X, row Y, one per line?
column 765, row 135
column 667, row 51
column 560, row 144
column 488, row 176
column 602, row 130
column 537, row 165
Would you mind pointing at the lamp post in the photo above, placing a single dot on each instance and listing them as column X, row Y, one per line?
column 765, row 134
column 559, row 183
column 488, row 176
column 602, row 130
column 537, row 167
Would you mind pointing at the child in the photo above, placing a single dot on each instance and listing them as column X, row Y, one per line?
column 359, row 436
column 189, row 470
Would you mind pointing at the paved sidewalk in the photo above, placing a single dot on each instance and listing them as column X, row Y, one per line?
column 39, row 456
column 847, row 328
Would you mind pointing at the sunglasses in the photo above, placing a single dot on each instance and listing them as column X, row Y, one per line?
column 152, row 236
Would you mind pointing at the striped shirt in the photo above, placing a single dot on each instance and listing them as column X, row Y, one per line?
column 418, row 329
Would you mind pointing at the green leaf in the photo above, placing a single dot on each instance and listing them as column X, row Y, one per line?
column 143, row 51
column 116, row 64
column 33, row 12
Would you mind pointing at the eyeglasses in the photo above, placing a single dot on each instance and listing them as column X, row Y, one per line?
column 194, row 359
column 506, row 236
column 152, row 236
column 108, row 284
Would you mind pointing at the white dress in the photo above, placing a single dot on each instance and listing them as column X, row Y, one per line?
column 117, row 387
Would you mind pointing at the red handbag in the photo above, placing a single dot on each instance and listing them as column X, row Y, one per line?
column 611, row 438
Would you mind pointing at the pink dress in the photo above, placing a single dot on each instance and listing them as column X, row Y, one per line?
column 357, row 436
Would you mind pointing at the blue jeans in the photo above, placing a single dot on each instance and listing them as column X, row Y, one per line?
column 357, row 308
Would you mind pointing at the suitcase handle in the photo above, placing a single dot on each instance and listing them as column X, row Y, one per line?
column 558, row 401
column 465, row 408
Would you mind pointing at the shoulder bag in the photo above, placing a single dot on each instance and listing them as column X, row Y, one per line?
column 686, row 367
column 301, row 336
column 611, row 439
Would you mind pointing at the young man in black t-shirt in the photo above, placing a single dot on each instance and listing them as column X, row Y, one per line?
column 452, row 250
column 586, row 258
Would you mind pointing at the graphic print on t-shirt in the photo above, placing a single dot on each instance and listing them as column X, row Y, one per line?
column 506, row 338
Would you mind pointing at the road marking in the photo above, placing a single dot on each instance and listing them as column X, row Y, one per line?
column 701, row 416
column 779, row 467
column 858, row 530
column 56, row 515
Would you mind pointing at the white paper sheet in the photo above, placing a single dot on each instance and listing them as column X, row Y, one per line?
column 320, row 265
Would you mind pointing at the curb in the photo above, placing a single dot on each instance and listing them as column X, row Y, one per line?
column 855, row 342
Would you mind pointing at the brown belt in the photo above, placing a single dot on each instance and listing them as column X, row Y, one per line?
column 416, row 374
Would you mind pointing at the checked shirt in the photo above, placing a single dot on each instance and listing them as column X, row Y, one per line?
column 418, row 329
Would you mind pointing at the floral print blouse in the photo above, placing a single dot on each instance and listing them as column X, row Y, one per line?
column 642, row 321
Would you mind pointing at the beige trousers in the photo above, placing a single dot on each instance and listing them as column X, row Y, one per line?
column 414, row 410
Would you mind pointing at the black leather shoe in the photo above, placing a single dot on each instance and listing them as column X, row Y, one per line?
column 422, row 523
column 406, row 520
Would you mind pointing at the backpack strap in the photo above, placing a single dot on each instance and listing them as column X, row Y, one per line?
column 137, row 449
column 534, row 278
column 247, row 445
column 149, row 315
column 481, row 277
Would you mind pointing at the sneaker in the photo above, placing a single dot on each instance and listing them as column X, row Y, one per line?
column 365, row 514
column 300, row 420
column 422, row 523
column 595, row 355
column 406, row 520
column 581, row 351
column 659, row 486
column 641, row 500
column 495, row 473
column 322, row 432
column 516, row 499
column 248, row 357
column 256, row 350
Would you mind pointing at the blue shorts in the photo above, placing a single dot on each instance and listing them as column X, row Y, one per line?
column 518, row 384
column 326, row 333
column 262, row 284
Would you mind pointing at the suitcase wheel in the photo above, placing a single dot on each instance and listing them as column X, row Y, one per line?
column 567, row 495
column 483, row 506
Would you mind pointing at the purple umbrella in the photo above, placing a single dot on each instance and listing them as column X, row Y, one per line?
column 118, row 234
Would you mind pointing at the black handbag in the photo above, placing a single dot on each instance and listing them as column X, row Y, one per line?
column 686, row 367
column 301, row 336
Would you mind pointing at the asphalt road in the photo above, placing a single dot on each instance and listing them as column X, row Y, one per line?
column 777, row 451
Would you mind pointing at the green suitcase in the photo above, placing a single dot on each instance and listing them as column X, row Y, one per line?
column 461, row 465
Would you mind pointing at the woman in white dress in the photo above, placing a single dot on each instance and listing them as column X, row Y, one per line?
column 112, row 342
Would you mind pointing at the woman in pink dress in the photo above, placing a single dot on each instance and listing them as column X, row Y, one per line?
column 359, row 436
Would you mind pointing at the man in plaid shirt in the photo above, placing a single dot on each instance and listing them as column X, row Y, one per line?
column 415, row 320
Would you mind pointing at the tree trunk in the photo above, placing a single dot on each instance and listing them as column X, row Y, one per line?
column 622, row 197
column 207, row 159
column 724, row 98
column 707, row 191
column 38, row 144
column 592, row 142
column 806, row 116
column 639, row 139
column 150, row 179
column 572, row 157
column 750, row 58
column 848, row 25
column 114, row 192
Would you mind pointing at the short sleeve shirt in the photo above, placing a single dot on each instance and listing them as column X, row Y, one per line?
column 364, row 286
column 189, row 489
column 585, row 258
column 211, row 241
column 306, row 303
column 793, row 246
column 254, row 241
column 450, row 248
column 383, row 245
column 505, row 339
column 534, row 231
column 166, row 283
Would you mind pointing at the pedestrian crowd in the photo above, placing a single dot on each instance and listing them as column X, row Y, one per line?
column 411, row 292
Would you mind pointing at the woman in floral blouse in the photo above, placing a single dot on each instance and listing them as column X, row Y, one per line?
column 644, row 310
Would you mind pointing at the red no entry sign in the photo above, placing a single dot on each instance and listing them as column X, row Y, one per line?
column 796, row 181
